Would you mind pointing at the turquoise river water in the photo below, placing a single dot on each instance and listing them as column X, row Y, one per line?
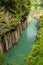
column 21, row 51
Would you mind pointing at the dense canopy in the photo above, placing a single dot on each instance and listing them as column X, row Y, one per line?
column 11, row 13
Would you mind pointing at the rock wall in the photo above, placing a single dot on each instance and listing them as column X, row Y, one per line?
column 12, row 38
column 1, row 47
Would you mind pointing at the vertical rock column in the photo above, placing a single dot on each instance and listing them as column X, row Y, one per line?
column 13, row 38
column 1, row 47
column 17, row 35
column 10, row 40
column 6, row 42
column 20, row 29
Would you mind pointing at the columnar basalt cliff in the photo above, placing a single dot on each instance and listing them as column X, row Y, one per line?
column 8, row 40
column 13, row 17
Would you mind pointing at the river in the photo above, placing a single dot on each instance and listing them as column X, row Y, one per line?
column 21, row 51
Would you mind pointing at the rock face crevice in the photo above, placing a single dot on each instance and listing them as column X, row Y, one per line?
column 7, row 41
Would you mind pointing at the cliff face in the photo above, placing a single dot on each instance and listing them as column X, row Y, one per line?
column 7, row 41
column 13, row 14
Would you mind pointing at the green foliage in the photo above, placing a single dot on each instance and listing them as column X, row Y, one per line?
column 36, row 56
column 35, row 4
column 2, row 59
column 12, row 12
